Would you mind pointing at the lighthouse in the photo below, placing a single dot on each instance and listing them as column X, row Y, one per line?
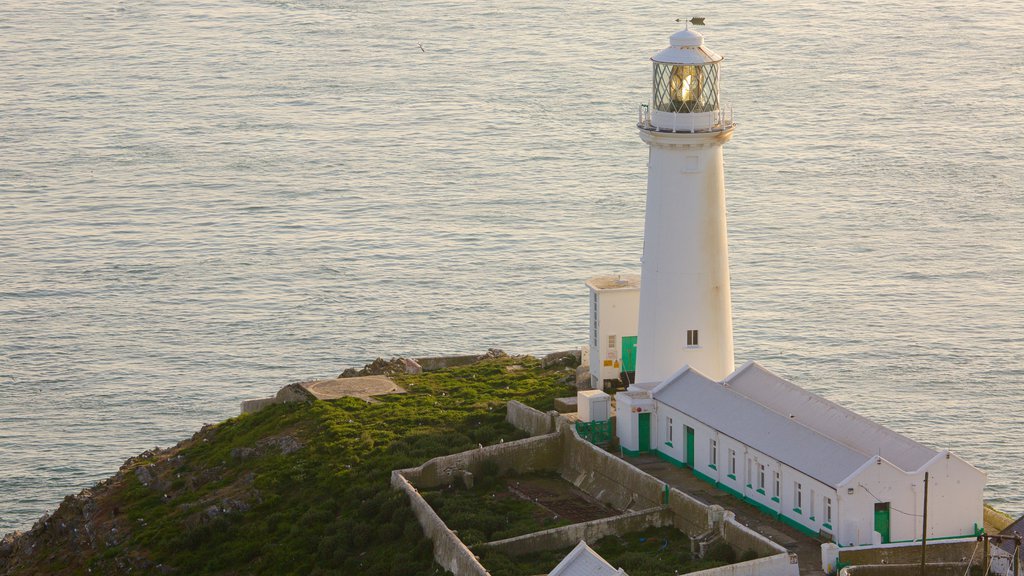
column 685, row 315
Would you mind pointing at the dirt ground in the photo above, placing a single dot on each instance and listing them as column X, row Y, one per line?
column 559, row 497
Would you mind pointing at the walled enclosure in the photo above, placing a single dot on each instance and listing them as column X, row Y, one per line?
column 609, row 479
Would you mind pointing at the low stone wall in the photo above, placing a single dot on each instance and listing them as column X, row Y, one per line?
column 432, row 363
column 742, row 538
column 522, row 456
column 775, row 565
column 255, row 405
column 569, row 536
column 530, row 420
column 939, row 569
column 611, row 480
column 449, row 551
column 938, row 552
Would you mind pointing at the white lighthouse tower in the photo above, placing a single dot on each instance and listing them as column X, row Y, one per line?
column 685, row 308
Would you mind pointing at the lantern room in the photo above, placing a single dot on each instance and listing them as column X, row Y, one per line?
column 685, row 93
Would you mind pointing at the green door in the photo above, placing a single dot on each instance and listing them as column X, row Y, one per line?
column 629, row 353
column 645, row 432
column 689, row 447
column 882, row 520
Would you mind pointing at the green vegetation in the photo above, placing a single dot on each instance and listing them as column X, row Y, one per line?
column 652, row 552
column 230, row 501
column 489, row 512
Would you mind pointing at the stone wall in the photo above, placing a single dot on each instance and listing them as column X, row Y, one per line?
column 569, row 536
column 257, row 404
column 539, row 453
column 605, row 477
column 937, row 552
column 449, row 551
column 775, row 565
column 432, row 363
column 742, row 538
column 611, row 480
column 939, row 569
column 532, row 421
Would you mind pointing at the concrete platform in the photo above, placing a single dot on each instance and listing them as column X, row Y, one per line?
column 362, row 387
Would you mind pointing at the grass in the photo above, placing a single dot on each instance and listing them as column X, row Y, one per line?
column 651, row 552
column 326, row 508
column 488, row 512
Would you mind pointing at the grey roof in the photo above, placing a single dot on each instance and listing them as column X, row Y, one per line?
column 583, row 561
column 828, row 418
column 759, row 427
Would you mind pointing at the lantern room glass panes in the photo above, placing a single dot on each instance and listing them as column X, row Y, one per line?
column 685, row 88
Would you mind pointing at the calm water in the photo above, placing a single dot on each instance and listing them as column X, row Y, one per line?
column 201, row 202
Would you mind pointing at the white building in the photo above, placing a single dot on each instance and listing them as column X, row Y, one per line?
column 802, row 458
column 614, row 302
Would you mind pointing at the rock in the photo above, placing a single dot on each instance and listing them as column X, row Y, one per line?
column 412, row 366
column 583, row 377
column 379, row 367
column 7, row 543
column 293, row 393
column 493, row 353
column 285, row 444
column 144, row 475
column 243, row 453
column 563, row 359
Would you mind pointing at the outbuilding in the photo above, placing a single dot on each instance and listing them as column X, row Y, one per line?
column 804, row 459
column 614, row 309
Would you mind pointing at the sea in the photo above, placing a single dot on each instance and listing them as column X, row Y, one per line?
column 201, row 202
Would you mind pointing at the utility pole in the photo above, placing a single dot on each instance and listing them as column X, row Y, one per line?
column 984, row 562
column 924, row 525
column 1016, row 555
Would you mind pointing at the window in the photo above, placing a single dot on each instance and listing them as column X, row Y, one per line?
column 798, row 496
column 611, row 342
column 750, row 471
column 668, row 430
column 732, row 463
column 811, row 504
column 593, row 319
column 760, row 477
column 713, row 457
column 828, row 511
column 777, row 487
column 691, row 338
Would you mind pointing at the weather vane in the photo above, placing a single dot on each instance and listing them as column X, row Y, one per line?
column 695, row 21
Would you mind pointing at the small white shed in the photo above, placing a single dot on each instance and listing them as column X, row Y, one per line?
column 593, row 406
column 614, row 310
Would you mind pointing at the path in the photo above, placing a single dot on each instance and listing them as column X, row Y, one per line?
column 808, row 549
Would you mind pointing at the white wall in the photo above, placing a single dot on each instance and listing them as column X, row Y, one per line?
column 617, row 313
column 685, row 264
column 628, row 407
column 954, row 500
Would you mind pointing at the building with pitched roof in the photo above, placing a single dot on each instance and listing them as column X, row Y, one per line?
column 802, row 458
column 583, row 561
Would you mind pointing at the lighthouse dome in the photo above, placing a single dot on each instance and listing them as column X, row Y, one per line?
column 687, row 47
